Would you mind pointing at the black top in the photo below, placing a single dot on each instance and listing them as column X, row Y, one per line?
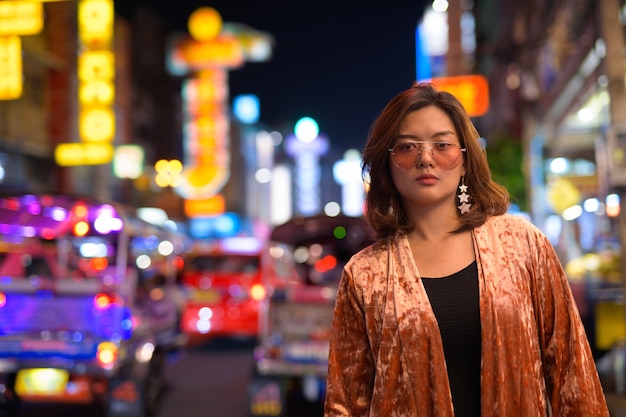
column 456, row 306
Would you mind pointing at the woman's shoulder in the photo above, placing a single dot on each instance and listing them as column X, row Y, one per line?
column 372, row 250
column 509, row 221
column 367, row 269
column 370, row 254
column 512, row 225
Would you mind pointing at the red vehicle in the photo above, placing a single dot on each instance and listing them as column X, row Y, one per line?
column 223, row 290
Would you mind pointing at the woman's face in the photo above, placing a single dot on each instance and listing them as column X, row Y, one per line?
column 427, row 162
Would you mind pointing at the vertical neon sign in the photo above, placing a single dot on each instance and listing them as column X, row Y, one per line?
column 306, row 147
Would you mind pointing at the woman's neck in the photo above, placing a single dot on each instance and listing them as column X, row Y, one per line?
column 434, row 225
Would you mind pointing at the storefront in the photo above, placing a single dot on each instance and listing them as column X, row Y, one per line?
column 573, row 199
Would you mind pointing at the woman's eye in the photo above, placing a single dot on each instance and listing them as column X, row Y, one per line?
column 407, row 147
column 442, row 146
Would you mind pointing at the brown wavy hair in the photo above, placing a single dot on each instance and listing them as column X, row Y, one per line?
column 384, row 210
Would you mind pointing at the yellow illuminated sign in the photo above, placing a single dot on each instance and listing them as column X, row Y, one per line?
column 97, row 124
column 72, row 154
column 20, row 17
column 223, row 52
column 204, row 207
column 96, row 71
column 202, row 181
column 97, row 92
column 96, row 65
column 96, row 20
column 96, row 89
column 207, row 167
column 168, row 173
column 10, row 67
column 205, row 23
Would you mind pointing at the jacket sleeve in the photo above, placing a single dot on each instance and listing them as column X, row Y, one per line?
column 571, row 377
column 351, row 365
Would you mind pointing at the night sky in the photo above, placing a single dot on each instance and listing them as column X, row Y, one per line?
column 338, row 62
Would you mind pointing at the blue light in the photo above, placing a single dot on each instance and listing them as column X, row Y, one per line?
column 224, row 225
column 246, row 108
column 422, row 62
column 227, row 224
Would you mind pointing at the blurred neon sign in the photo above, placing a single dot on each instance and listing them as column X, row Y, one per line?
column 211, row 206
column 16, row 18
column 221, row 52
column 306, row 146
column 207, row 54
column 206, row 135
column 96, row 90
column 20, row 18
column 71, row 154
column 10, row 67
column 95, row 22
column 471, row 90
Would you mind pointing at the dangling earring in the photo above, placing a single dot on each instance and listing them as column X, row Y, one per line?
column 464, row 205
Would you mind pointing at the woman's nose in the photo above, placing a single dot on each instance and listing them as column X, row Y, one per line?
column 425, row 156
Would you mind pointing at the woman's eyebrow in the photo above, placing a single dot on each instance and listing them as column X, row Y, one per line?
column 407, row 136
column 443, row 133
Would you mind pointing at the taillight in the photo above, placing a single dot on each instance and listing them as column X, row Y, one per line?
column 81, row 228
column 99, row 264
column 3, row 299
column 107, row 353
column 179, row 263
column 327, row 263
column 102, row 301
column 258, row 292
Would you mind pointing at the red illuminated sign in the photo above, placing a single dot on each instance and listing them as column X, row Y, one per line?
column 471, row 90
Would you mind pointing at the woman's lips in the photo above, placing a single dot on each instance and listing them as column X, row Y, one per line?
column 427, row 179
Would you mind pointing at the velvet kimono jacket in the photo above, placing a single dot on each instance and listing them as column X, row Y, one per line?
column 386, row 355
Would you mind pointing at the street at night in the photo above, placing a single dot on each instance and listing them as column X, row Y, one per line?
column 238, row 208
column 205, row 380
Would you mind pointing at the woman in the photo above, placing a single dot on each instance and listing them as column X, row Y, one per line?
column 459, row 309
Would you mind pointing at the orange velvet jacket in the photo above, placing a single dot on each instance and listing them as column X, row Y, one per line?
column 386, row 355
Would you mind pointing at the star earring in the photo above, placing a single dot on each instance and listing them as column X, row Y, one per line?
column 464, row 204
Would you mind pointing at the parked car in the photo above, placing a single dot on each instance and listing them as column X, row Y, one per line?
column 302, row 265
